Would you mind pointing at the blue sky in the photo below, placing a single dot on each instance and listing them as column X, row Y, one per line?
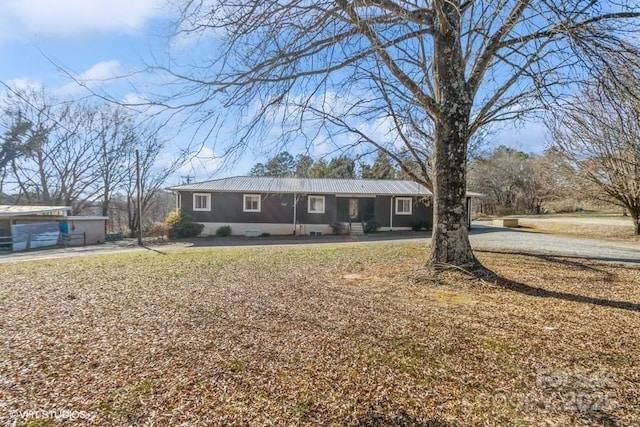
column 99, row 39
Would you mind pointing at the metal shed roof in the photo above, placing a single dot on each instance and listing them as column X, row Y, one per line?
column 248, row 184
column 14, row 210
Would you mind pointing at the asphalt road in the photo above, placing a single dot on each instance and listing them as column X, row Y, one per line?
column 483, row 237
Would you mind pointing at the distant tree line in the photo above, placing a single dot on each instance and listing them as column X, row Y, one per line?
column 510, row 181
column 82, row 155
column 304, row 166
column 514, row 182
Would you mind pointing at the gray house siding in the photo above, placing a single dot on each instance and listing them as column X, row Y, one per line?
column 384, row 209
column 381, row 208
column 376, row 199
column 278, row 209
column 229, row 207
column 328, row 217
column 419, row 212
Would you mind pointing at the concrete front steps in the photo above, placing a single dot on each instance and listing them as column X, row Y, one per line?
column 356, row 229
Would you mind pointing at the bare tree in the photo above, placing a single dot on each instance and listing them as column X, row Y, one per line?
column 115, row 140
column 155, row 168
column 514, row 182
column 551, row 180
column 599, row 131
column 416, row 79
column 59, row 166
column 498, row 176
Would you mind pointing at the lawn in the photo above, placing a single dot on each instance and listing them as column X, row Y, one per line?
column 323, row 335
column 600, row 225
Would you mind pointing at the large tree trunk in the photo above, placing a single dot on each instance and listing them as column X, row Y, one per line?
column 635, row 215
column 450, row 240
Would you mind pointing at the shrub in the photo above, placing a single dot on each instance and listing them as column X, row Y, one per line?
column 157, row 229
column 338, row 228
column 223, row 231
column 371, row 225
column 565, row 208
column 180, row 224
column 265, row 235
column 418, row 225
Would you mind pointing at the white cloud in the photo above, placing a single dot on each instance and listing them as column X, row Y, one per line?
column 202, row 166
column 102, row 71
column 97, row 75
column 197, row 27
column 67, row 18
column 24, row 84
column 146, row 107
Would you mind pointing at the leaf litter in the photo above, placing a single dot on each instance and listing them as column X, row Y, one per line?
column 308, row 336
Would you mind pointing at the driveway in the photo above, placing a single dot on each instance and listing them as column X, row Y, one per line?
column 56, row 253
column 488, row 237
column 483, row 237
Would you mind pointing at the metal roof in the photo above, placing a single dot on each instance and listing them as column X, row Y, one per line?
column 14, row 210
column 249, row 184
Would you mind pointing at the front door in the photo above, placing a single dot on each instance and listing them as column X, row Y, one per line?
column 353, row 209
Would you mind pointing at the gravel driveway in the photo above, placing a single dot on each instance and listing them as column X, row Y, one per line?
column 507, row 239
column 483, row 237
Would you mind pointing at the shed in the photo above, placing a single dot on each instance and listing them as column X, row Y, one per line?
column 91, row 228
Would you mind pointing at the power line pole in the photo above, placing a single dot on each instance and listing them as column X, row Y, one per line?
column 139, row 196
column 187, row 178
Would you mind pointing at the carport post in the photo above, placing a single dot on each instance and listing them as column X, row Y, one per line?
column 295, row 212
column 391, row 215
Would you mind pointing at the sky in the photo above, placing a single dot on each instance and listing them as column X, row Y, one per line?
column 97, row 40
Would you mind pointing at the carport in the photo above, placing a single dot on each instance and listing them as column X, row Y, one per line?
column 30, row 227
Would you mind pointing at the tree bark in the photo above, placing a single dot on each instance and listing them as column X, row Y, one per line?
column 450, row 239
column 636, row 222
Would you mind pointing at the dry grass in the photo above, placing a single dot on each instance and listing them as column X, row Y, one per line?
column 351, row 335
column 598, row 225
column 595, row 231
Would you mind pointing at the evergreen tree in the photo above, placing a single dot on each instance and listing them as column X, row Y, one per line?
column 304, row 163
column 381, row 168
column 341, row 167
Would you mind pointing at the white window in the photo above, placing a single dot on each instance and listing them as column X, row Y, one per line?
column 251, row 203
column 403, row 205
column 201, row 202
column 316, row 204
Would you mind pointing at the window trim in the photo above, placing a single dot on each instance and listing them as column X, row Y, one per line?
column 244, row 203
column 316, row 211
column 208, row 198
column 410, row 205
